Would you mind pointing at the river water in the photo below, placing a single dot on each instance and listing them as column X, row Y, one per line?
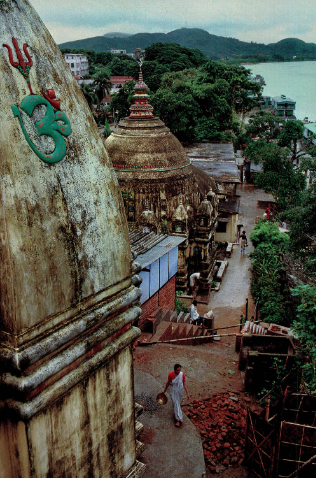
column 296, row 79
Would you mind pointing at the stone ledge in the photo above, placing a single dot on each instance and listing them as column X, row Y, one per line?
column 137, row 471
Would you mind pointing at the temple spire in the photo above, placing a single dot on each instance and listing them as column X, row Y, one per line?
column 141, row 108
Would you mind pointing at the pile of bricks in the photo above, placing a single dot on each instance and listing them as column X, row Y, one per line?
column 221, row 421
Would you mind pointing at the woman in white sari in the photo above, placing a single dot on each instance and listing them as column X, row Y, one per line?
column 176, row 380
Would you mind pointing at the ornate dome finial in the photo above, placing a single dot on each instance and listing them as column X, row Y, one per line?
column 141, row 108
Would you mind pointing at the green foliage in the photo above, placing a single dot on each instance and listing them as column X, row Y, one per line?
column 89, row 94
column 302, row 219
column 174, row 56
column 107, row 129
column 305, row 328
column 122, row 100
column 268, row 232
column 179, row 305
column 267, row 270
column 278, row 372
column 123, row 66
column 153, row 71
column 292, row 132
column 199, row 104
column 262, row 125
column 102, row 84
column 213, row 46
column 278, row 174
column 164, row 227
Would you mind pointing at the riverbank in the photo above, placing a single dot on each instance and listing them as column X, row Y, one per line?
column 294, row 79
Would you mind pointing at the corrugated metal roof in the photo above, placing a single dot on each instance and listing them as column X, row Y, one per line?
column 311, row 127
column 148, row 246
column 231, row 205
column 141, row 242
column 215, row 159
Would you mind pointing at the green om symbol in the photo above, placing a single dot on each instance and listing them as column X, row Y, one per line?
column 56, row 125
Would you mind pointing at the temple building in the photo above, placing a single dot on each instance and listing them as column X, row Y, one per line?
column 162, row 191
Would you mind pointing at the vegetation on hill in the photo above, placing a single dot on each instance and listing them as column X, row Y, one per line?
column 212, row 46
column 200, row 104
column 197, row 98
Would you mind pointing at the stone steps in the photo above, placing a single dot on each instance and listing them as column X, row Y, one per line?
column 172, row 326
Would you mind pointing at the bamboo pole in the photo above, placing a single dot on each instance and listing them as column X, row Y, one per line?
column 200, row 337
column 308, row 462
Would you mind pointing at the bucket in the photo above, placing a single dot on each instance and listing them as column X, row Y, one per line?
column 162, row 398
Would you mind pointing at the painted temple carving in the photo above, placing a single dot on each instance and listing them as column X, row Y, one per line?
column 54, row 123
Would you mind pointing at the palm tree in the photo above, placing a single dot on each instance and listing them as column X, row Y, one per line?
column 102, row 83
column 90, row 95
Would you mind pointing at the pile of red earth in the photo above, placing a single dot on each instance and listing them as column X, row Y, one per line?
column 221, row 421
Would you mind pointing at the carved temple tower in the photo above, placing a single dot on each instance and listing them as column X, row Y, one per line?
column 67, row 299
column 154, row 171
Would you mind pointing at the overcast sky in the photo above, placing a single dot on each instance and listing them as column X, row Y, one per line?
column 264, row 21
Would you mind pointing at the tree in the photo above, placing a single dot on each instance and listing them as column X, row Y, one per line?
column 153, row 72
column 107, row 129
column 174, row 56
column 278, row 175
column 102, row 83
column 289, row 137
column 305, row 328
column 193, row 108
column 302, row 221
column 89, row 94
column 263, row 125
column 267, row 271
column 243, row 93
column 122, row 100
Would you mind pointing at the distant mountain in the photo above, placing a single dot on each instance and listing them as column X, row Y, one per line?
column 293, row 47
column 212, row 46
column 116, row 35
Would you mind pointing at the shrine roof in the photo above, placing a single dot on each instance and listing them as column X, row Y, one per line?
column 216, row 159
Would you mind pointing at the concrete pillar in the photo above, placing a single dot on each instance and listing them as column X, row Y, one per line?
column 67, row 301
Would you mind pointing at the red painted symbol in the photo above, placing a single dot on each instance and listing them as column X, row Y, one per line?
column 23, row 66
column 51, row 97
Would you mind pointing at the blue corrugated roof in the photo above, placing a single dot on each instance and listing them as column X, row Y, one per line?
column 159, row 250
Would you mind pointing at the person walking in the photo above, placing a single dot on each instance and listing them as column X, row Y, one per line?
column 243, row 241
column 176, row 380
column 195, row 317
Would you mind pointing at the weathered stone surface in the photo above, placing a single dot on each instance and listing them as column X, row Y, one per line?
column 67, row 299
column 57, row 219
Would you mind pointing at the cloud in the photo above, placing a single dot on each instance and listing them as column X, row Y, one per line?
column 249, row 20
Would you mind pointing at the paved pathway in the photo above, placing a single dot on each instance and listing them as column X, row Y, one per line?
column 175, row 453
column 235, row 286
column 170, row 452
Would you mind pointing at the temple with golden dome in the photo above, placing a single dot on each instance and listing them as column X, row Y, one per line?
column 162, row 191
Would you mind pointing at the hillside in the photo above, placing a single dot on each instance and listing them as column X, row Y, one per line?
column 116, row 35
column 212, row 46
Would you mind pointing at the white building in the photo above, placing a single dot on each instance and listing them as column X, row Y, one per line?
column 118, row 52
column 77, row 63
column 310, row 132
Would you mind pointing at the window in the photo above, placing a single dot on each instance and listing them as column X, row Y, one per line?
column 221, row 226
